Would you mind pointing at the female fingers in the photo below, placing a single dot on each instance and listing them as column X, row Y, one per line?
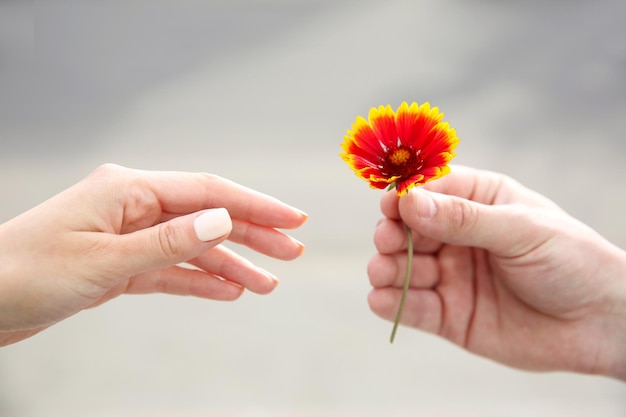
column 230, row 266
column 266, row 240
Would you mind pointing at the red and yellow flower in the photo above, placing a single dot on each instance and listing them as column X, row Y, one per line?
column 400, row 149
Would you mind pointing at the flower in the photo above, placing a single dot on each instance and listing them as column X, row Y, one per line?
column 400, row 150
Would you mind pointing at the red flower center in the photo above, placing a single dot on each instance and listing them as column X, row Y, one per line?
column 402, row 161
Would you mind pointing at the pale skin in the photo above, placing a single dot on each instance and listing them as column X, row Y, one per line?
column 503, row 272
column 125, row 231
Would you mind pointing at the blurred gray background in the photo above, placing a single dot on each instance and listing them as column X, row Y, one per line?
column 262, row 92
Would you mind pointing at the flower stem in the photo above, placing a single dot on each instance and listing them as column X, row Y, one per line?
column 407, row 280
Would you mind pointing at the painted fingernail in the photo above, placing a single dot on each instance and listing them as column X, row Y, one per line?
column 213, row 224
column 296, row 241
column 302, row 213
column 300, row 244
column 268, row 274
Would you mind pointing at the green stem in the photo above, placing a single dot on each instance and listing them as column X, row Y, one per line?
column 407, row 280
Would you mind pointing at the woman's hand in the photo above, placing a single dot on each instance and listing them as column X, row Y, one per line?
column 126, row 231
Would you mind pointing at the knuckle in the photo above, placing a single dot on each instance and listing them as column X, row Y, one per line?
column 170, row 240
column 209, row 180
column 209, row 177
column 107, row 169
column 463, row 215
column 386, row 237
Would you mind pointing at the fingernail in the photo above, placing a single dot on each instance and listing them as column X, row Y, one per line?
column 425, row 204
column 300, row 244
column 212, row 224
column 300, row 212
column 268, row 274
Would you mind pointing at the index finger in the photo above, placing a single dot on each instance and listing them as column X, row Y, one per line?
column 485, row 187
column 464, row 182
column 183, row 192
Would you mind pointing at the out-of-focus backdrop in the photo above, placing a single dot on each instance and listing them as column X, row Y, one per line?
column 261, row 92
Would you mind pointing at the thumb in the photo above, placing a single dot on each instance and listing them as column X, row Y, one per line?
column 177, row 240
column 505, row 230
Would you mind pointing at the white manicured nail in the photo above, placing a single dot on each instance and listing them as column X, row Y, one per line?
column 213, row 224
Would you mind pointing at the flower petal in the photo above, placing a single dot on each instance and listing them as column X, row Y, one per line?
column 383, row 121
column 364, row 137
column 406, row 123
column 405, row 185
column 441, row 138
column 429, row 119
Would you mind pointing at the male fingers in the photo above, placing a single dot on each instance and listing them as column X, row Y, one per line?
column 422, row 310
column 390, row 236
column 461, row 181
column 505, row 230
column 485, row 187
column 390, row 271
